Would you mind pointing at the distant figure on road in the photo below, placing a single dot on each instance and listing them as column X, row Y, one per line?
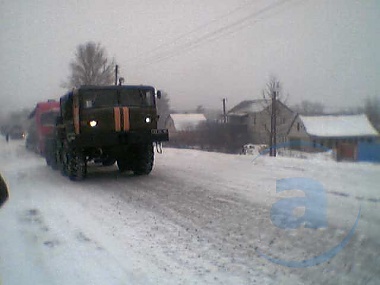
column 7, row 137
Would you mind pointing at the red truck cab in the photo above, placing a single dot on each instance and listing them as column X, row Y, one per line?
column 42, row 125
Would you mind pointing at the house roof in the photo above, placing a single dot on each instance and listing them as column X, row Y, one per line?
column 338, row 126
column 183, row 122
column 249, row 106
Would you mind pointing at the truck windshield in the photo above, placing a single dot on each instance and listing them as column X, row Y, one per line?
column 48, row 118
column 114, row 98
column 136, row 97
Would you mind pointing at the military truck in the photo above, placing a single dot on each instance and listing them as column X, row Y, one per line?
column 106, row 124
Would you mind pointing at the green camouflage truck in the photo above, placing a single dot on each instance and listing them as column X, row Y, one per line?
column 106, row 124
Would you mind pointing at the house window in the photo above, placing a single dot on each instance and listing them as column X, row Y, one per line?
column 298, row 127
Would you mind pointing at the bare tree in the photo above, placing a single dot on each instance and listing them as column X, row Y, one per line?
column 309, row 108
column 200, row 109
column 372, row 110
column 273, row 85
column 273, row 92
column 90, row 67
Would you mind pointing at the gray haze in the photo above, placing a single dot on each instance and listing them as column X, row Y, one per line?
column 323, row 50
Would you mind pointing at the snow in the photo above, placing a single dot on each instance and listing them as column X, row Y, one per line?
column 197, row 219
column 184, row 122
column 338, row 126
column 328, row 155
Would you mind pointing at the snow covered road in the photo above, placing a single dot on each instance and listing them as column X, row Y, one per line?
column 199, row 218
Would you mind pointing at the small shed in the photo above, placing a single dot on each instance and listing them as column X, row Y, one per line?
column 184, row 122
column 185, row 129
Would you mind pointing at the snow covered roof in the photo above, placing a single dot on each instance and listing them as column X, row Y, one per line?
column 183, row 122
column 249, row 106
column 338, row 126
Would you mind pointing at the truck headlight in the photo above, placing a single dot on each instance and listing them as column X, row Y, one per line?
column 148, row 120
column 93, row 123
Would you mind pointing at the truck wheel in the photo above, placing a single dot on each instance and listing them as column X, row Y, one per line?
column 54, row 162
column 143, row 160
column 123, row 164
column 48, row 162
column 51, row 159
column 77, row 167
column 62, row 162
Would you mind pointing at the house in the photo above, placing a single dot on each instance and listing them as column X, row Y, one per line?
column 254, row 118
column 340, row 132
column 330, row 130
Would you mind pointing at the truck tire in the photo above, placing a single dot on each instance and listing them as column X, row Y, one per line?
column 50, row 156
column 143, row 160
column 62, row 162
column 77, row 166
column 123, row 164
column 48, row 162
column 51, row 161
column 54, row 163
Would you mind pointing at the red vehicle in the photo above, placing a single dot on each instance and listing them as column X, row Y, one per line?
column 42, row 125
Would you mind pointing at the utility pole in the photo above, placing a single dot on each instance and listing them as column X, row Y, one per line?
column 116, row 75
column 224, row 110
column 273, row 122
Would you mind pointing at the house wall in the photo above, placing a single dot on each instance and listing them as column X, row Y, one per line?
column 238, row 120
column 298, row 130
column 297, row 133
column 368, row 152
column 297, row 136
column 259, row 124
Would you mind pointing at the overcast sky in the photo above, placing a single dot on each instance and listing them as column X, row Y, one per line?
column 321, row 50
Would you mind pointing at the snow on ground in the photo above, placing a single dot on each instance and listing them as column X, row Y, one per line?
column 199, row 218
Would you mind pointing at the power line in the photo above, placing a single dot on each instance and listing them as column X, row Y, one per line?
column 176, row 39
column 211, row 36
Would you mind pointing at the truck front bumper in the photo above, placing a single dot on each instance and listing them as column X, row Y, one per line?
column 121, row 138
